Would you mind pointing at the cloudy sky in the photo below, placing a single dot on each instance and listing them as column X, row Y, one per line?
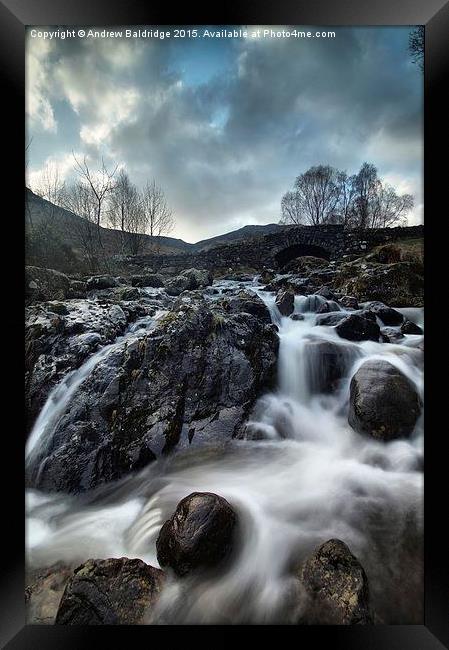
column 225, row 125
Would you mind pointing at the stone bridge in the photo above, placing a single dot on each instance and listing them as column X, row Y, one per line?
column 275, row 250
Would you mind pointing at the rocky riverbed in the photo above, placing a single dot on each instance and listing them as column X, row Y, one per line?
column 239, row 449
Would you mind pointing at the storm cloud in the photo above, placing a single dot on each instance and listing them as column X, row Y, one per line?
column 226, row 125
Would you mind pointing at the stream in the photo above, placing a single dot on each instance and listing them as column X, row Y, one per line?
column 304, row 478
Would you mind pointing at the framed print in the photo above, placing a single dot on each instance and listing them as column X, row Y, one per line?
column 226, row 263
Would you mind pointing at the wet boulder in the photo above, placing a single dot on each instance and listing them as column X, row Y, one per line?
column 357, row 328
column 383, row 402
column 59, row 337
column 45, row 284
column 77, row 289
column 387, row 315
column 118, row 591
column 408, row 327
column 149, row 280
column 297, row 317
column 101, row 282
column 198, row 535
column 327, row 307
column 337, row 587
column 313, row 303
column 198, row 278
column 285, row 302
column 391, row 335
column 249, row 303
column 190, row 381
column 349, row 302
column 329, row 320
column 175, row 286
column 326, row 292
column 327, row 363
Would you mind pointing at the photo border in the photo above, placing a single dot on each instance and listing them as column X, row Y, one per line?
column 15, row 15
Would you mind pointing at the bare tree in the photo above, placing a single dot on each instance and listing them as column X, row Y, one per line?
column 78, row 199
column 416, row 46
column 100, row 184
column 157, row 216
column 388, row 208
column 324, row 195
column 124, row 208
column 315, row 196
column 366, row 187
column 291, row 209
column 346, row 197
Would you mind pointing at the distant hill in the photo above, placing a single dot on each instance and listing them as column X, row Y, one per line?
column 247, row 232
column 64, row 224
column 64, row 227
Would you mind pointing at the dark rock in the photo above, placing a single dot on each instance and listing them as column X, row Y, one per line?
column 101, row 282
column 149, row 280
column 110, row 592
column 285, row 302
column 199, row 534
column 313, row 303
column 329, row 320
column 383, row 402
column 408, row 327
column 129, row 294
column 45, row 284
column 327, row 363
column 327, row 307
column 191, row 381
column 357, row 328
column 400, row 284
column 297, row 317
column 387, row 315
column 386, row 254
column 249, row 303
column 305, row 264
column 44, row 592
column 198, row 278
column 349, row 302
column 390, row 335
column 77, row 289
column 175, row 286
column 326, row 292
column 337, row 586
column 56, row 343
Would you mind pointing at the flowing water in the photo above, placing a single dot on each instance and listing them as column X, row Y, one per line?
column 310, row 478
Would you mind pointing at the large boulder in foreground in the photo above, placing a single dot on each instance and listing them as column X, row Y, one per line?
column 110, row 592
column 356, row 327
column 337, row 587
column 192, row 380
column 383, row 402
column 45, row 284
column 198, row 535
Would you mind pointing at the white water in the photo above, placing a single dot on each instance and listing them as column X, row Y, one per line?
column 312, row 478
column 63, row 393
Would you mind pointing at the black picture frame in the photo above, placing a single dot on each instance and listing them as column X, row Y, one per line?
column 434, row 14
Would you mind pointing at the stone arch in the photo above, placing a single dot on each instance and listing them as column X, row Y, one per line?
column 290, row 253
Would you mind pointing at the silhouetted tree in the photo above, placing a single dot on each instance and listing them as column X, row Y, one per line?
column 314, row 197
